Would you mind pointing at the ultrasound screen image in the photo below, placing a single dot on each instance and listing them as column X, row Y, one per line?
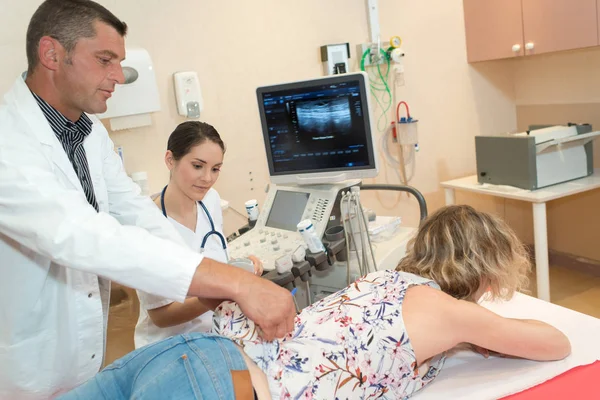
column 317, row 128
column 324, row 117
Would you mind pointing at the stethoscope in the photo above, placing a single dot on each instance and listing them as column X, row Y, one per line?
column 212, row 231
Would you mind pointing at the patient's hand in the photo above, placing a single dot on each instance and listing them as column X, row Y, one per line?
column 474, row 348
column 487, row 353
column 480, row 350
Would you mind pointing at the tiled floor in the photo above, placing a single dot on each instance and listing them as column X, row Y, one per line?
column 571, row 289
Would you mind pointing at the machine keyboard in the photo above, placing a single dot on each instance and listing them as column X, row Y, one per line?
column 268, row 244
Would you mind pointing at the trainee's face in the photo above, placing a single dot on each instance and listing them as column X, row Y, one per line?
column 196, row 172
column 88, row 75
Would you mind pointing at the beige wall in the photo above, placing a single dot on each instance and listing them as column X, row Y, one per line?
column 453, row 100
column 238, row 45
column 555, row 89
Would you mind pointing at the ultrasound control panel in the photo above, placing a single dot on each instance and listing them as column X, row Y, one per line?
column 275, row 234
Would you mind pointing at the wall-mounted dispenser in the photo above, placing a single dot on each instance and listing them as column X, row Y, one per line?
column 132, row 102
column 188, row 94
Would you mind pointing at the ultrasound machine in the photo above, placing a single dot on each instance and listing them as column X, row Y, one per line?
column 319, row 143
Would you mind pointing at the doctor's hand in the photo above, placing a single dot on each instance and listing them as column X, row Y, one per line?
column 270, row 306
column 258, row 266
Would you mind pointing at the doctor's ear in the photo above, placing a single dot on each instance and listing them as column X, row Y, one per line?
column 48, row 52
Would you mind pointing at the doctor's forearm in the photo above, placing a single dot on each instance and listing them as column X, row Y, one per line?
column 215, row 280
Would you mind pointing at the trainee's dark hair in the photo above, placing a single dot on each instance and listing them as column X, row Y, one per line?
column 67, row 21
column 189, row 134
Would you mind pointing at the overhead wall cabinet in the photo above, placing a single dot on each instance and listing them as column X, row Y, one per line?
column 498, row 29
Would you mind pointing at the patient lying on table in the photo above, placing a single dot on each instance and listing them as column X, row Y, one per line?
column 386, row 334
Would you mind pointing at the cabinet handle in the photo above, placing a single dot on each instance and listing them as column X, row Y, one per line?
column 516, row 48
column 529, row 46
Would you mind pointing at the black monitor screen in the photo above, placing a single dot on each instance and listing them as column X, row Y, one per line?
column 316, row 126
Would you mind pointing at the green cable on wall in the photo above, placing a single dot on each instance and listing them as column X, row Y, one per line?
column 377, row 88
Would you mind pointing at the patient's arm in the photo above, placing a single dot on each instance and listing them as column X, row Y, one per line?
column 436, row 322
column 179, row 313
column 531, row 339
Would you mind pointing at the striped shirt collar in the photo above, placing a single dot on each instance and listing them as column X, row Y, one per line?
column 71, row 136
column 60, row 123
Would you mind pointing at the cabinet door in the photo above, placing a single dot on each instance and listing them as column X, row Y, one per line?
column 555, row 25
column 494, row 29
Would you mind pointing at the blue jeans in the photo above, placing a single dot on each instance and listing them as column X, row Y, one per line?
column 192, row 366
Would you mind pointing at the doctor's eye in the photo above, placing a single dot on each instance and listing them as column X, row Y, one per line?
column 104, row 61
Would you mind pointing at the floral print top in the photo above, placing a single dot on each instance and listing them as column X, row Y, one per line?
column 350, row 345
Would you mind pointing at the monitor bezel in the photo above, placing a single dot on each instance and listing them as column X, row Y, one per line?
column 330, row 175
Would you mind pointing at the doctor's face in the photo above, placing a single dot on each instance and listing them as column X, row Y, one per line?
column 88, row 75
column 197, row 171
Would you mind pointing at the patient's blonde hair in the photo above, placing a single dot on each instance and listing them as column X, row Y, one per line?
column 462, row 249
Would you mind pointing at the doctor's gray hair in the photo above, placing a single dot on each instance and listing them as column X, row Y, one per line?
column 190, row 134
column 67, row 21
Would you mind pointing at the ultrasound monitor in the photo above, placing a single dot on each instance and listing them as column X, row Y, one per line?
column 318, row 131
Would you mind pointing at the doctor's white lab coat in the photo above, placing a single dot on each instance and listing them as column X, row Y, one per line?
column 54, row 245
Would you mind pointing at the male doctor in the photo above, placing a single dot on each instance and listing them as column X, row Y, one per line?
column 71, row 220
